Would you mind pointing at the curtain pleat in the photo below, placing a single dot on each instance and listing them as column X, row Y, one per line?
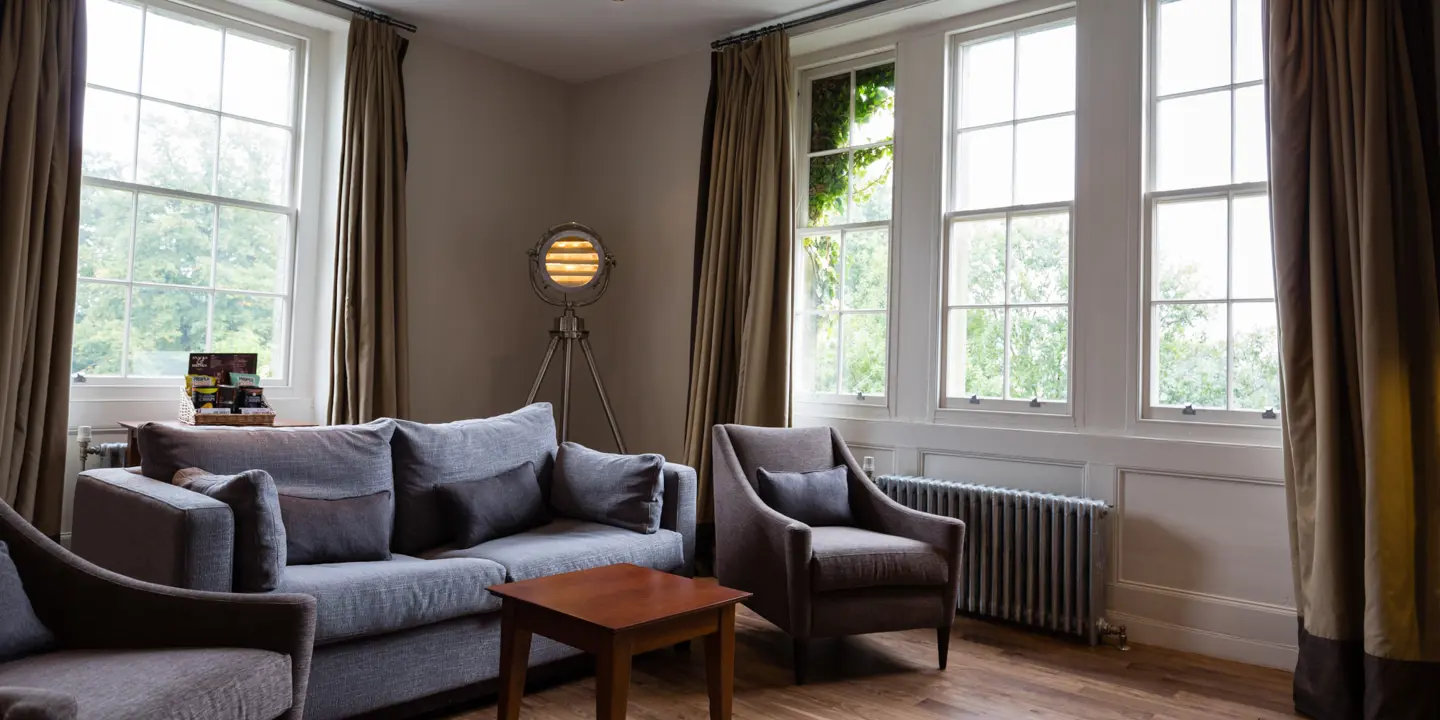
column 739, row 358
column 369, row 356
column 42, row 93
column 1355, row 174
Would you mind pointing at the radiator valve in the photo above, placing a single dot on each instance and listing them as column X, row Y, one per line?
column 1105, row 628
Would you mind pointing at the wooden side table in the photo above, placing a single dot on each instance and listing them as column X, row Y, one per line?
column 615, row 613
column 132, row 434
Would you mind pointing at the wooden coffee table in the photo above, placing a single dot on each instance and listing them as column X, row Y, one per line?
column 616, row 612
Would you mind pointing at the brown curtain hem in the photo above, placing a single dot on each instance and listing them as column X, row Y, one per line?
column 1338, row 680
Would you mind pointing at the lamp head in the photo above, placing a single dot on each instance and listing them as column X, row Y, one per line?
column 570, row 267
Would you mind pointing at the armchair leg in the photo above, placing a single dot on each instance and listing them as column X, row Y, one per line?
column 801, row 654
column 942, row 638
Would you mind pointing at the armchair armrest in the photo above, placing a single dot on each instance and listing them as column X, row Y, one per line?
column 153, row 531
column 677, row 510
column 27, row 703
column 756, row 548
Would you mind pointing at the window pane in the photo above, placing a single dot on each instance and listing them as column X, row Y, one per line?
column 112, row 52
column 177, row 147
column 874, row 184
column 259, row 79
column 99, row 329
column 977, row 262
column 983, row 174
column 1039, row 353
column 987, row 82
column 1256, row 374
column 106, row 218
column 817, row 350
column 1047, row 72
column 1040, row 258
column 1251, row 162
column 172, row 241
column 875, row 104
column 1193, row 141
column 182, row 60
column 165, row 327
column 1194, row 45
column 1249, row 41
column 109, row 135
column 254, row 162
column 251, row 250
column 247, row 323
column 975, row 356
column 829, row 178
column 867, row 269
column 1045, row 161
column 819, row 273
column 830, row 113
column 864, row 337
column 1190, row 240
column 1254, row 266
column 1190, row 355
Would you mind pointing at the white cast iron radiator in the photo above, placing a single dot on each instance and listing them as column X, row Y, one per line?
column 1030, row 558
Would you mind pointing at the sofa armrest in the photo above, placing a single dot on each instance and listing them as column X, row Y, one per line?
column 27, row 703
column 677, row 511
column 153, row 531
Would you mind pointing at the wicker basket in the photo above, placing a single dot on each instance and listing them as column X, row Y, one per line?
column 190, row 417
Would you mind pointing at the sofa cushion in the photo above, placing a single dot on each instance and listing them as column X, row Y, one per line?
column 337, row 530
column 230, row 683
column 431, row 455
column 259, row 533
column 619, row 490
column 845, row 558
column 566, row 545
column 371, row 598
column 820, row 497
column 489, row 508
column 21, row 633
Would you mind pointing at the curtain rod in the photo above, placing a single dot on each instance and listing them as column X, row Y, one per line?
column 817, row 17
column 371, row 14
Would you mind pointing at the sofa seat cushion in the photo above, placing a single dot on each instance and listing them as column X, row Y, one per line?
column 361, row 599
column 566, row 545
column 846, row 558
column 229, row 683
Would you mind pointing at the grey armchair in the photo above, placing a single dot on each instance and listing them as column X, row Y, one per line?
column 130, row 649
column 897, row 569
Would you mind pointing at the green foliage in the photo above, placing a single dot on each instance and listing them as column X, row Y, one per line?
column 1191, row 350
column 830, row 129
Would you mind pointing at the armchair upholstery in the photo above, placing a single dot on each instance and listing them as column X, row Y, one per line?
column 903, row 565
column 103, row 621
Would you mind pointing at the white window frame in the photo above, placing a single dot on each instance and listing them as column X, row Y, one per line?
column 957, row 402
column 839, row 401
column 300, row 298
column 1149, row 371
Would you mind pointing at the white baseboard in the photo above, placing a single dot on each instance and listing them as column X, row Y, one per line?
column 1146, row 631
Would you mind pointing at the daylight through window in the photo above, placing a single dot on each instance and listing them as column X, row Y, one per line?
column 188, row 203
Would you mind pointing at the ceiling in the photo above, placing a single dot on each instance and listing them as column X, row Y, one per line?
column 579, row 40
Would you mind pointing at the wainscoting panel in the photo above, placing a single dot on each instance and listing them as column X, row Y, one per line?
column 1019, row 473
column 884, row 457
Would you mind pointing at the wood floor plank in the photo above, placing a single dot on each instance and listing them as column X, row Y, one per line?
column 996, row 672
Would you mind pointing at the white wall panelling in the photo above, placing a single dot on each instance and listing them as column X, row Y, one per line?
column 1046, row 476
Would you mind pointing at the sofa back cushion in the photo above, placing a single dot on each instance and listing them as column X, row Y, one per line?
column 427, row 456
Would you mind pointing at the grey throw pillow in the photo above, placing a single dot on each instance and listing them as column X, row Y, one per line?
column 817, row 498
column 21, row 632
column 488, row 508
column 321, row 530
column 260, row 553
column 619, row 490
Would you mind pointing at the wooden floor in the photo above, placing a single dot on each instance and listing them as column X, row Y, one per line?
column 995, row 672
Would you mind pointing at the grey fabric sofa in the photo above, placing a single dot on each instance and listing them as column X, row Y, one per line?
column 388, row 633
column 131, row 649
column 896, row 569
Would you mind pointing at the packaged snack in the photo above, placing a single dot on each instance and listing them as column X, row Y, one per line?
column 245, row 379
column 227, row 396
column 198, row 381
column 251, row 397
column 204, row 398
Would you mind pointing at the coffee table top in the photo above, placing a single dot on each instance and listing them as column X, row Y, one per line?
column 619, row 597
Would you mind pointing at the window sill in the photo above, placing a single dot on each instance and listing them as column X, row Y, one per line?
column 854, row 410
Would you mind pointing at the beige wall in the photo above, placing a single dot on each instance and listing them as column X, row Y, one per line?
column 634, row 169
column 486, row 176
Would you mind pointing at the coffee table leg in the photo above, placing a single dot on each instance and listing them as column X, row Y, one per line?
column 720, row 665
column 612, row 681
column 514, row 658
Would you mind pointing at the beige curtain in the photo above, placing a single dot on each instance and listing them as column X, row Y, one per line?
column 369, row 362
column 42, row 93
column 1355, row 182
column 739, row 361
